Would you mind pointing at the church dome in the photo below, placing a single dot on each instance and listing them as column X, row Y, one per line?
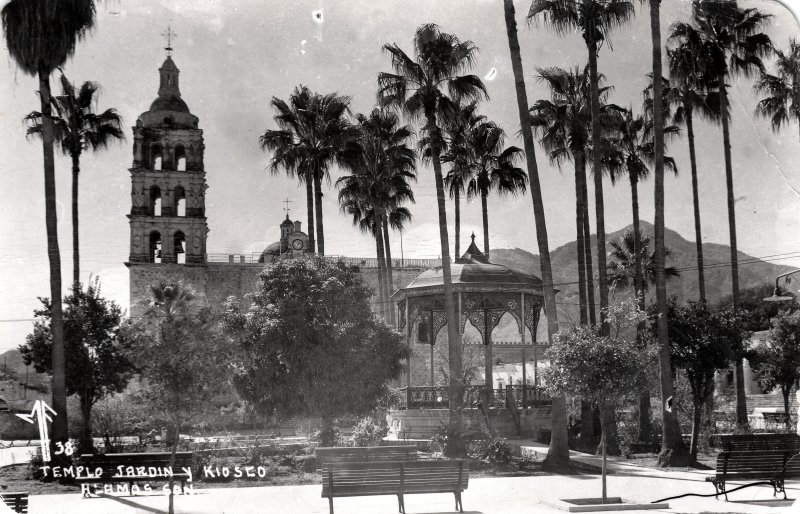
column 169, row 103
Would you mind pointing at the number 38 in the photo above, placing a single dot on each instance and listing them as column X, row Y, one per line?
column 66, row 449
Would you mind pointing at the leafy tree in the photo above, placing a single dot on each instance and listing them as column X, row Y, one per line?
column 310, row 345
column 782, row 90
column 41, row 35
column 731, row 38
column 182, row 355
column 776, row 361
column 77, row 129
column 312, row 132
column 430, row 86
column 558, row 452
column 757, row 313
column 97, row 352
column 594, row 19
column 603, row 369
column 699, row 345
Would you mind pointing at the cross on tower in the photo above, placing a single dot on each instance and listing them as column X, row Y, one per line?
column 287, row 208
column 170, row 35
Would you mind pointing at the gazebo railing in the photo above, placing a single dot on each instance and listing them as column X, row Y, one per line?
column 438, row 397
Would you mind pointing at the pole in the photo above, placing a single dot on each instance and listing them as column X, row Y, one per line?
column 402, row 258
column 522, row 340
column 432, row 341
column 408, row 361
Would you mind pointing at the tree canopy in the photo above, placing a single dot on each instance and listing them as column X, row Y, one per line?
column 309, row 343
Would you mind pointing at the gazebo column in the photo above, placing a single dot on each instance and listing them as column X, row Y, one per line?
column 432, row 338
column 409, row 326
column 487, row 357
column 522, row 341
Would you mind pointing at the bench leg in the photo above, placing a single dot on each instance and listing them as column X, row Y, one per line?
column 459, row 505
column 778, row 487
column 330, row 503
column 401, row 504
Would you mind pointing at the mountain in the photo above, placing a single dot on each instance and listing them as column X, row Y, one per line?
column 12, row 369
column 682, row 255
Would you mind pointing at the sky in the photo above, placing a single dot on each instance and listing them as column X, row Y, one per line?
column 234, row 56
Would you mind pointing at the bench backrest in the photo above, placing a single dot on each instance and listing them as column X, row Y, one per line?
column 18, row 502
column 109, row 462
column 404, row 477
column 760, row 442
column 326, row 456
column 765, row 464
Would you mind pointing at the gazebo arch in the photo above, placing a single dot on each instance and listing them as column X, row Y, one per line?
column 483, row 292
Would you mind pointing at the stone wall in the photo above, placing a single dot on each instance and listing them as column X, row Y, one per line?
column 425, row 423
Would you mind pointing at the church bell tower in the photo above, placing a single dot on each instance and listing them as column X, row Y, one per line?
column 167, row 217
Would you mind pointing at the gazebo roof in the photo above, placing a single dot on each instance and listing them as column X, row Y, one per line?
column 473, row 272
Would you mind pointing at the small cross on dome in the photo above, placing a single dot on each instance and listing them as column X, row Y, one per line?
column 169, row 34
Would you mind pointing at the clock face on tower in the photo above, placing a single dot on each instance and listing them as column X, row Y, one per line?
column 297, row 244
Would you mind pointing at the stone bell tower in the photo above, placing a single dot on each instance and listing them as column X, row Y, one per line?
column 167, row 218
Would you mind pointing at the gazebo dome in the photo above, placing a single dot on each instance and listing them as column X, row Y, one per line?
column 474, row 269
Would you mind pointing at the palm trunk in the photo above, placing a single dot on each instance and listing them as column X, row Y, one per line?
column 58, row 380
column 457, row 200
column 673, row 451
column 456, row 446
column 381, row 267
column 587, row 244
column 558, row 453
column 310, row 207
column 741, row 400
column 318, row 207
column 698, row 237
column 598, row 188
column 638, row 279
column 389, row 278
column 86, row 441
column 485, row 213
column 76, row 261
column 584, row 314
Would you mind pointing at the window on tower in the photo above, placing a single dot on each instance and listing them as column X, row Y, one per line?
column 179, row 247
column 155, row 201
column 155, row 157
column 180, row 158
column 179, row 207
column 155, row 247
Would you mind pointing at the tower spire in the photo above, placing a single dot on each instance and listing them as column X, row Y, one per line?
column 169, row 34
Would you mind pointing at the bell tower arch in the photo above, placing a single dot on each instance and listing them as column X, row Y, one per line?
column 168, row 182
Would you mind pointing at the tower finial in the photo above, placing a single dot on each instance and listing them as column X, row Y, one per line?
column 473, row 237
column 170, row 35
column 287, row 208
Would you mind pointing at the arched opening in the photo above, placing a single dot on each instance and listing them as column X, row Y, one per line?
column 155, row 157
column 155, row 201
column 179, row 247
column 180, row 158
column 179, row 206
column 155, row 247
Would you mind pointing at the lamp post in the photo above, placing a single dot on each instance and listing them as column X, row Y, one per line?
column 777, row 294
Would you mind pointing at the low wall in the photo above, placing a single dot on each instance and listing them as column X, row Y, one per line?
column 425, row 423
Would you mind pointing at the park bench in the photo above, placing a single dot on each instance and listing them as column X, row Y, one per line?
column 395, row 478
column 326, row 456
column 18, row 502
column 127, row 468
column 777, row 420
column 758, row 442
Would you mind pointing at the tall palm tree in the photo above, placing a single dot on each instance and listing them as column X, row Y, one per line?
column 594, row 19
column 381, row 165
column 428, row 86
column 733, row 45
column 673, row 450
column 494, row 170
column 558, row 452
column 460, row 157
column 78, row 128
column 781, row 91
column 313, row 131
column 41, row 35
column 625, row 252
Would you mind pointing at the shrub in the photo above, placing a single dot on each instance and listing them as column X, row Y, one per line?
column 328, row 436
column 369, row 432
column 495, row 450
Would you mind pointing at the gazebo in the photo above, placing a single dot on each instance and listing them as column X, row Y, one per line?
column 484, row 292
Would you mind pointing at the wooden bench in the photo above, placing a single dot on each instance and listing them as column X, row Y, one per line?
column 18, row 502
column 395, row 478
column 760, row 442
column 777, row 421
column 128, row 468
column 342, row 455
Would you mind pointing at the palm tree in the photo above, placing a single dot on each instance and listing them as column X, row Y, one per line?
column 41, row 36
column 459, row 154
column 731, row 41
column 78, row 128
column 430, row 85
column 558, row 452
column 494, row 170
column 782, row 90
column 381, row 165
column 594, row 19
column 626, row 253
column 312, row 133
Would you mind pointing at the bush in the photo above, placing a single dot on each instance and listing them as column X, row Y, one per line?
column 369, row 432
column 328, row 436
column 495, row 449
